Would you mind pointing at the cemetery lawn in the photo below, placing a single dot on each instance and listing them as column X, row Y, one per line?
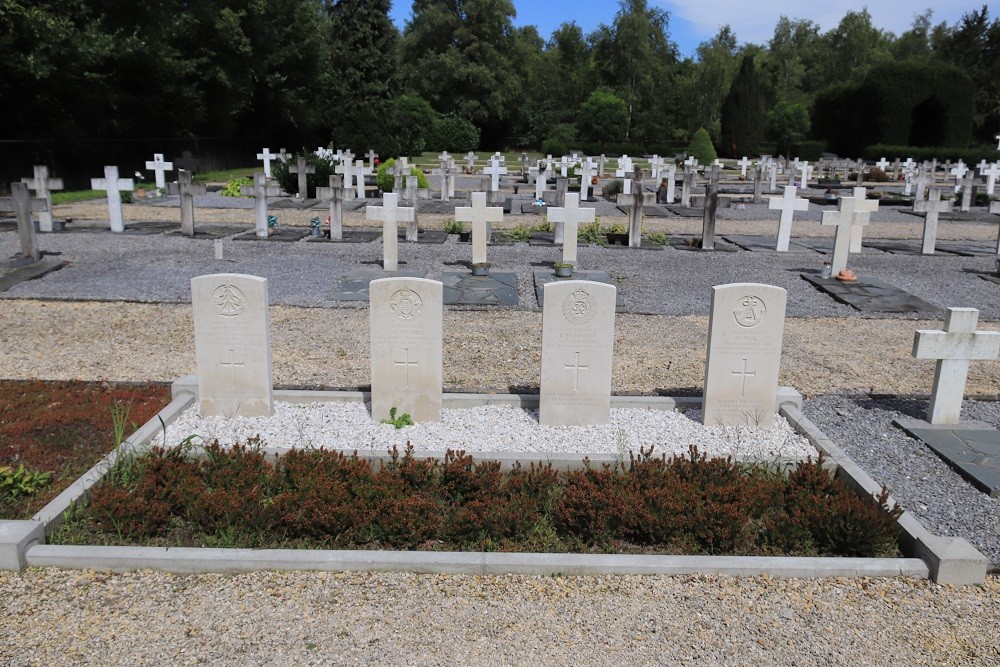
column 209, row 496
column 226, row 175
column 58, row 430
column 76, row 195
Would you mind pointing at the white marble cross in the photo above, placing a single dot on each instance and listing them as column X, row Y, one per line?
column 158, row 166
column 480, row 215
column 260, row 191
column 882, row 164
column 470, row 161
column 958, row 171
column 806, row 170
column 266, row 156
column 372, row 156
column 991, row 173
column 494, row 171
column 570, row 217
column 655, row 165
column 346, row 155
column 43, row 186
column 743, row 164
column 691, row 161
column 787, row 205
column 843, row 218
column 624, row 171
column 953, row 349
column 335, row 194
column 347, row 170
column 113, row 185
column 931, row 208
column 301, row 168
column 586, row 175
column 862, row 207
column 671, row 176
column 542, row 180
column 390, row 214
column 360, row 171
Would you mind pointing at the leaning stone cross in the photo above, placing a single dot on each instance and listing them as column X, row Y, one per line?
column 953, row 349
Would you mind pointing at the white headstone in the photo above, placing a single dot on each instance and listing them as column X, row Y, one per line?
column 406, row 320
column 113, row 185
column 390, row 214
column 744, row 352
column 953, row 349
column 232, row 345
column 787, row 205
column 158, row 166
column 578, row 331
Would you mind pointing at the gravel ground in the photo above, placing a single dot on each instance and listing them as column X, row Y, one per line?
column 349, row 426
column 54, row 617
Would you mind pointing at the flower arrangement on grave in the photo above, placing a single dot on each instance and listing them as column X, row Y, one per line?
column 272, row 221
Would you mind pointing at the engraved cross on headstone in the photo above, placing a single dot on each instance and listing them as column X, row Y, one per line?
column 575, row 368
column 232, row 365
column 744, row 373
column 953, row 349
column 406, row 363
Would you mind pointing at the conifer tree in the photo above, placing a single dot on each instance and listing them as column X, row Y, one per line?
column 743, row 116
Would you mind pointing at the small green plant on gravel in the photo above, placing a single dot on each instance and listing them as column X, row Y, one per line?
column 453, row 227
column 658, row 238
column 519, row 233
column 21, row 481
column 543, row 226
column 234, row 187
column 399, row 422
column 125, row 468
column 591, row 233
column 616, row 228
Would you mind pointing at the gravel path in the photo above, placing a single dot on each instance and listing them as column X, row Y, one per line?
column 53, row 617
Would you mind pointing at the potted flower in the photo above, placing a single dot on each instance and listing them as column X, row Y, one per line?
column 314, row 227
column 617, row 234
column 563, row 269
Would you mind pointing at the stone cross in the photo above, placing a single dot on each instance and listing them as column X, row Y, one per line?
column 711, row 205
column 953, row 349
column 347, row 172
column 113, row 185
column 187, row 161
column 640, row 199
column 932, row 207
column 542, row 180
column 967, row 186
column 360, row 171
column 624, row 171
column 671, row 177
column 444, row 158
column 843, row 218
column 524, row 163
column 260, row 191
column 691, row 161
column 882, row 164
column 995, row 209
column 398, row 170
column 43, row 186
column 346, row 155
column 372, row 156
column 991, row 173
column 655, row 165
column 787, row 205
column 600, row 165
column 806, row 170
column 687, row 182
column 862, row 207
column 562, row 187
column 860, row 173
column 958, row 171
column 411, row 183
column 23, row 205
column 494, row 171
column 743, row 164
column 791, row 171
column 158, row 166
column 480, row 215
column 571, row 216
column 586, row 176
column 998, row 141
column 758, row 182
column 266, row 156
column 564, row 164
column 773, row 169
column 470, row 161
column 335, row 193
column 390, row 214
column 187, row 190
column 907, row 182
column 301, row 168
column 447, row 172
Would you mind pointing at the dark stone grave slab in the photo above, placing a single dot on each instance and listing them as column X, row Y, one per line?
column 210, row 232
column 354, row 285
column 424, row 236
column 763, row 243
column 499, row 288
column 11, row 274
column 543, row 276
column 968, row 216
column 350, row 236
column 681, row 243
column 824, row 245
column 548, row 239
column 972, row 448
column 646, row 245
column 297, row 204
column 279, row 234
column 873, row 295
column 965, row 249
column 351, row 204
column 442, row 207
column 687, row 211
column 992, row 279
column 655, row 211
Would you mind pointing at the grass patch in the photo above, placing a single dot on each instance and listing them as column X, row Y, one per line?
column 236, row 497
column 226, row 175
column 77, row 195
column 62, row 429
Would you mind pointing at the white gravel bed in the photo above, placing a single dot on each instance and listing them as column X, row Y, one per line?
column 349, row 426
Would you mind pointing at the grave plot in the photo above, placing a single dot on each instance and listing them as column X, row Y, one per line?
column 973, row 451
column 210, row 232
column 872, row 295
column 767, row 243
column 481, row 287
column 348, row 235
column 353, row 286
column 280, row 234
column 692, row 243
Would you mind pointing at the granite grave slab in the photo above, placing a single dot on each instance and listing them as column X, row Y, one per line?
column 354, row 285
column 499, row 288
column 348, row 236
column 278, row 234
column 872, row 295
column 542, row 277
column 764, row 243
column 972, row 449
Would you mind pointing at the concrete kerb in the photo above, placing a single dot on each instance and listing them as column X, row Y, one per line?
column 950, row 560
column 22, row 545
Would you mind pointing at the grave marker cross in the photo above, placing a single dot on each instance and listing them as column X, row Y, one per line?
column 570, row 216
column 843, row 219
column 187, row 191
column 266, row 156
column 390, row 214
column 862, row 208
column 260, row 191
column 335, row 193
column 187, row 161
column 301, row 168
column 743, row 164
column 113, row 186
column 931, row 207
column 347, row 171
column 43, row 185
column 480, row 215
column 953, row 349
column 158, row 165
column 787, row 204
column 23, row 205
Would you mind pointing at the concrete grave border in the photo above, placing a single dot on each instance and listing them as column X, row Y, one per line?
column 946, row 560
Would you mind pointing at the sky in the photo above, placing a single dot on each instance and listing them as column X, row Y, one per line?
column 694, row 21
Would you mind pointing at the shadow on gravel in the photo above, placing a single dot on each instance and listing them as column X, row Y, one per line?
column 908, row 406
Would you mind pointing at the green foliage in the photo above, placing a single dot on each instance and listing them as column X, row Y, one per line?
column 658, row 238
column 453, row 133
column 591, row 233
column 701, row 147
column 921, row 153
column 399, row 422
column 612, row 188
column 411, row 124
column 787, row 123
column 453, row 227
column 22, row 481
column 808, row 150
column 743, row 113
column 518, row 234
column 234, row 188
column 289, row 181
column 603, row 118
column 386, row 179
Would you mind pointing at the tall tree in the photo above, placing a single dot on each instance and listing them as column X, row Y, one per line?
column 974, row 45
column 706, row 82
column 363, row 51
column 743, row 112
column 458, row 55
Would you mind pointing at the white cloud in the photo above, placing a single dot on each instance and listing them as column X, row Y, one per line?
column 754, row 20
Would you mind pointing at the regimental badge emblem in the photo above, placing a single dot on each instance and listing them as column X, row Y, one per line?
column 405, row 304
column 750, row 312
column 228, row 301
column 579, row 307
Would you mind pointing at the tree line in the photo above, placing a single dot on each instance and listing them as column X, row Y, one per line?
column 459, row 75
